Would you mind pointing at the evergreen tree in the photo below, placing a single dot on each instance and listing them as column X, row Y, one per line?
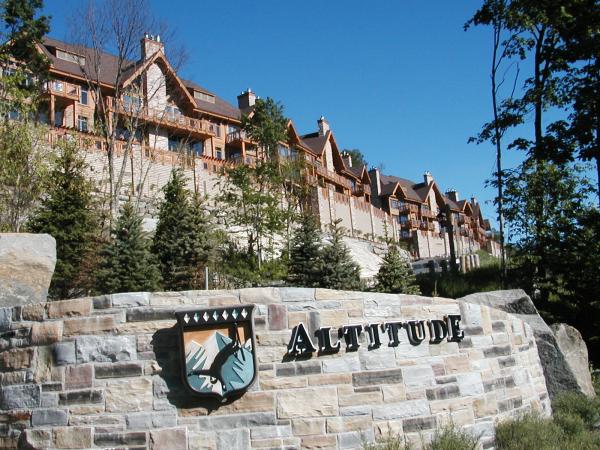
column 67, row 213
column 21, row 30
column 181, row 242
column 305, row 252
column 337, row 269
column 126, row 262
column 395, row 274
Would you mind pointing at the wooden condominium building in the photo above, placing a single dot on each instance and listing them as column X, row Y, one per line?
column 152, row 119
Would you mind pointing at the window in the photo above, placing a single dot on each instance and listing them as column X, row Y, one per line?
column 131, row 102
column 197, row 147
column 175, row 143
column 58, row 118
column 173, row 112
column 219, row 153
column 204, row 96
column 82, row 123
column 284, row 151
column 83, row 95
column 71, row 57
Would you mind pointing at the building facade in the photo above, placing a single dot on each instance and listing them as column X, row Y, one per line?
column 151, row 119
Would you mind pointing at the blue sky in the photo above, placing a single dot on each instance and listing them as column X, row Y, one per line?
column 399, row 80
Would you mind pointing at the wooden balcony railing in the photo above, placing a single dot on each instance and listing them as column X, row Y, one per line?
column 63, row 89
column 360, row 190
column 408, row 208
column 332, row 176
column 165, row 118
column 236, row 136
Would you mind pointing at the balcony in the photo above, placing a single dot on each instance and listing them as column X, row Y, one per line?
column 161, row 117
column 332, row 176
column 62, row 89
column 407, row 208
column 235, row 137
column 360, row 190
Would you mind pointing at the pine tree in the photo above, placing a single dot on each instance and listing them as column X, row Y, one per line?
column 337, row 269
column 67, row 213
column 181, row 239
column 126, row 262
column 395, row 274
column 305, row 252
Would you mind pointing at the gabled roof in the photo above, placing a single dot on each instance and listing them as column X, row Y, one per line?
column 108, row 70
column 315, row 142
column 294, row 137
column 361, row 173
column 453, row 205
column 465, row 205
column 389, row 185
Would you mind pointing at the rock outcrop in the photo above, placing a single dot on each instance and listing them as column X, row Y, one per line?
column 574, row 350
column 27, row 263
column 562, row 350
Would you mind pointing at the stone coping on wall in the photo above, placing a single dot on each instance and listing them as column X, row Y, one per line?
column 105, row 372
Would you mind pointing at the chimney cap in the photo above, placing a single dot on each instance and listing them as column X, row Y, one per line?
column 322, row 118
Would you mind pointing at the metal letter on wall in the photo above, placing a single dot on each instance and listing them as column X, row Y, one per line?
column 218, row 350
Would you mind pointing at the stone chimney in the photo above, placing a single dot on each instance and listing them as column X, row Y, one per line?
column 427, row 177
column 323, row 126
column 347, row 159
column 151, row 44
column 246, row 99
column 473, row 201
column 452, row 195
column 375, row 176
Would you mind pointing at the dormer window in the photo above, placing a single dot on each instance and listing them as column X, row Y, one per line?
column 71, row 57
column 204, row 96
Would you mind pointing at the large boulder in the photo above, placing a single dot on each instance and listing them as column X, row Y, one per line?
column 573, row 347
column 27, row 263
column 563, row 353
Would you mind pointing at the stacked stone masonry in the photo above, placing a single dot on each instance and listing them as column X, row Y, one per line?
column 104, row 372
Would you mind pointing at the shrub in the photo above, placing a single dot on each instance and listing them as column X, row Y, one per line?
column 447, row 438
column 528, row 432
column 577, row 404
column 450, row 438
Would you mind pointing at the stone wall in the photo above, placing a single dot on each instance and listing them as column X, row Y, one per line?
column 104, row 372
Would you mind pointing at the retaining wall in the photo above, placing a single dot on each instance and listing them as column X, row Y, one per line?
column 104, row 372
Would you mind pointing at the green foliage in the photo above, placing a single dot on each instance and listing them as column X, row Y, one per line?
column 21, row 32
column 450, row 438
column 250, row 201
column 67, row 213
column 181, row 242
column 338, row 270
column 305, row 253
column 239, row 269
column 127, row 265
column 564, row 432
column 395, row 274
column 266, row 126
column 450, row 285
column 358, row 159
column 23, row 171
column 577, row 404
column 447, row 438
